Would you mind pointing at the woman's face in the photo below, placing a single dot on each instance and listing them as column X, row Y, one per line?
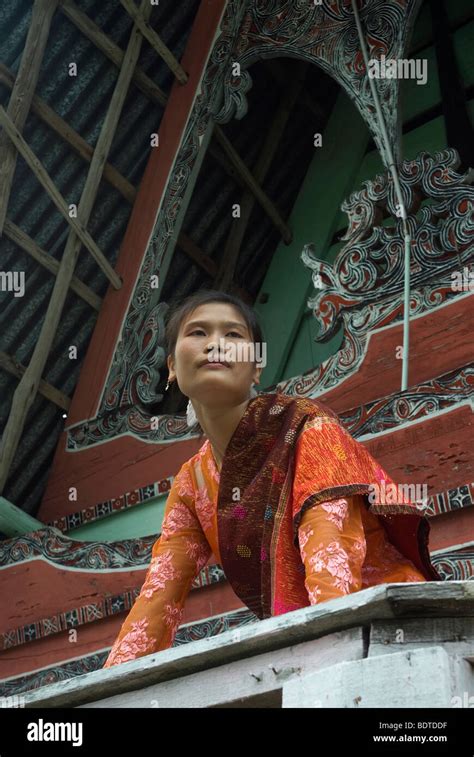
column 217, row 329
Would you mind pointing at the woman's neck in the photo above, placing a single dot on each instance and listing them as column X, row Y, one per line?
column 219, row 426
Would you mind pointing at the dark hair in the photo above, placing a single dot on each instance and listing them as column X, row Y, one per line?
column 180, row 310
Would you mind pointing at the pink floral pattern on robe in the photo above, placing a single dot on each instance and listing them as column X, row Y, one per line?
column 205, row 508
column 132, row 644
column 178, row 555
column 337, row 510
column 344, row 548
column 161, row 570
column 334, row 559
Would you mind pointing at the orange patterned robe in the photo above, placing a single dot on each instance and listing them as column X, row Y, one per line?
column 342, row 546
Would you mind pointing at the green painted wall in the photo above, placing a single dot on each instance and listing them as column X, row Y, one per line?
column 142, row 520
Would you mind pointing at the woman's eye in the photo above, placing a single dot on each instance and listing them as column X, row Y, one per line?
column 200, row 331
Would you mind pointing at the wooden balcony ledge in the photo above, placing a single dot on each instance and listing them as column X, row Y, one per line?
column 392, row 645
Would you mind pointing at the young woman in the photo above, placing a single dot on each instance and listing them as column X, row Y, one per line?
column 279, row 492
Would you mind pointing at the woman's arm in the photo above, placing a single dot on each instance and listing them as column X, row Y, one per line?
column 333, row 548
column 178, row 555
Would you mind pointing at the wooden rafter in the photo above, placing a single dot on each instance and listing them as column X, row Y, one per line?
column 227, row 157
column 28, row 386
column 155, row 41
column 247, row 202
column 28, row 245
column 22, row 93
column 48, row 184
column 255, row 187
column 113, row 52
column 111, row 175
column 15, row 368
column 72, row 138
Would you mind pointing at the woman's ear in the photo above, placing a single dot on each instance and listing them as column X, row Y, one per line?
column 170, row 363
column 257, row 377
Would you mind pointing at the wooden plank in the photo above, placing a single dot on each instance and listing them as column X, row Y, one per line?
column 440, row 342
column 14, row 521
column 429, row 599
column 15, row 368
column 235, row 683
column 396, row 681
column 455, row 635
column 18, row 236
column 22, row 93
column 155, row 41
column 48, row 184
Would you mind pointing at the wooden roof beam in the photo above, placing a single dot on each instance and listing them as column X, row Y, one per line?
column 254, row 187
column 111, row 175
column 26, row 390
column 155, row 41
column 45, row 180
column 28, row 245
column 72, row 138
column 229, row 160
column 15, row 368
column 112, row 51
column 22, row 93
column 239, row 225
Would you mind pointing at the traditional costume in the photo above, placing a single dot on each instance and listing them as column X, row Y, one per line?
column 295, row 517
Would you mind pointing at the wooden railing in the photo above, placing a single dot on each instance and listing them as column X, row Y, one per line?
column 392, row 645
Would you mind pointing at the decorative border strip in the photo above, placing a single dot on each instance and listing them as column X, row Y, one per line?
column 79, row 616
column 450, row 500
column 421, row 401
column 457, row 565
column 110, row 506
column 52, row 545
column 88, row 664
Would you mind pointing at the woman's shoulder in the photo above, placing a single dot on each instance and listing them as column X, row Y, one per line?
column 309, row 406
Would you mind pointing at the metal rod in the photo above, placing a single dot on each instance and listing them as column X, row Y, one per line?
column 388, row 159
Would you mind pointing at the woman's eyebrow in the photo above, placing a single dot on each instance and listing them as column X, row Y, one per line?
column 223, row 323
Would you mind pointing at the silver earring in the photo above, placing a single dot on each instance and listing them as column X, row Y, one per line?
column 253, row 391
column 167, row 385
column 191, row 418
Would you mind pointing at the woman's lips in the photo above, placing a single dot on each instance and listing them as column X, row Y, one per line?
column 214, row 365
